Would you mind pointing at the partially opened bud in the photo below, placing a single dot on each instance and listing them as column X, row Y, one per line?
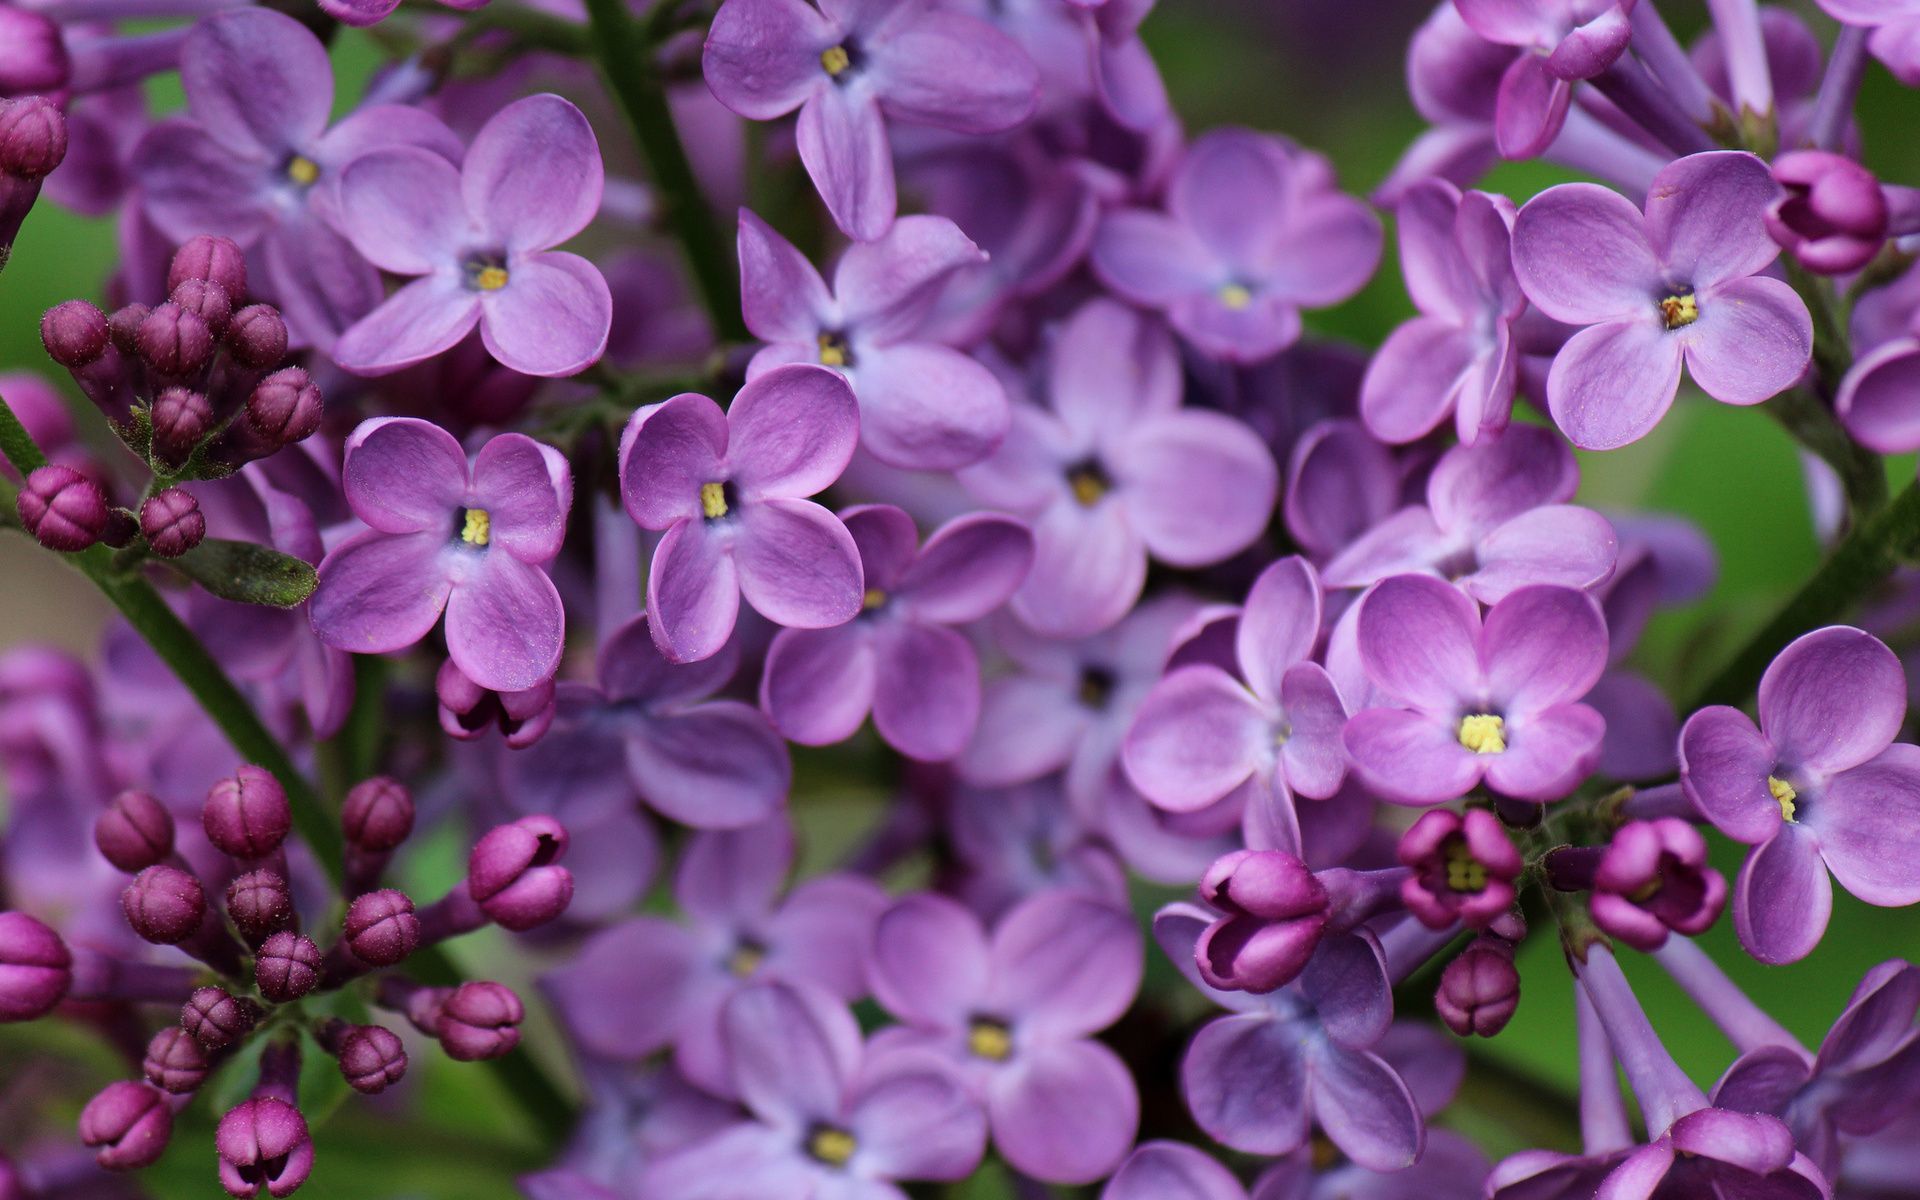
column 216, row 1018
column 287, row 967
column 1479, row 990
column 35, row 968
column 217, row 260
column 247, row 815
column 264, row 1146
column 164, row 905
column 175, row 1062
column 512, row 874
column 62, row 509
column 381, row 929
column 128, row 1125
column 467, row 710
column 136, row 832
column 260, row 904
column 1276, row 912
column 1833, row 216
column 480, row 1020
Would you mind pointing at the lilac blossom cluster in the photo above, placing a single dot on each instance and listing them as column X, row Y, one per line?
column 1187, row 638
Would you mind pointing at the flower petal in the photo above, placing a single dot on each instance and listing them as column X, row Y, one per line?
column 693, row 593
column 1868, row 821
column 1724, row 765
column 913, row 1120
column 1200, row 486
column 1582, row 255
column 762, row 57
column 551, row 319
column 514, row 479
column 1783, row 897
column 793, row 1052
column 717, row 765
column 782, row 297
column 505, row 624
column 1753, row 341
column 1245, row 1078
column 887, row 286
column 1560, row 544
column 1172, row 1171
column 968, row 568
column 1088, row 568
column 1408, row 757
column 819, row 683
column 1610, row 384
column 667, row 453
column 257, row 80
column 791, row 431
column 1151, row 259
column 930, row 962
column 730, row 879
column 405, row 475
column 1197, row 736
column 1365, row 1108
column 1064, row 1112
column 1704, row 217
column 1548, row 752
column 1064, row 965
column 401, row 208
column 425, row 318
column 646, row 963
column 1419, row 639
column 1475, row 489
column 380, row 592
column 843, row 144
column 1279, row 624
column 956, row 72
column 1543, row 646
column 927, row 699
column 797, row 564
column 532, row 177
column 1832, row 699
column 928, row 408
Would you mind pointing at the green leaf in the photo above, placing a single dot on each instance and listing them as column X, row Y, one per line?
column 248, row 573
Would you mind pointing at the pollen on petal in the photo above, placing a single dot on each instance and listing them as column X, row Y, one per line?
column 835, row 59
column 490, row 279
column 833, row 350
column 1783, row 795
column 872, row 599
column 477, row 528
column 1483, row 733
column 303, row 170
column 990, row 1039
column 745, row 960
column 1679, row 309
column 831, row 1146
column 1235, row 296
column 1465, row 873
column 713, row 500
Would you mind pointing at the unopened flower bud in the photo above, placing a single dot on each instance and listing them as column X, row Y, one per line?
column 260, row 904
column 175, row 1062
column 1480, row 989
column 164, row 905
column 136, row 832
column 264, row 1146
column 257, row 337
column 1276, row 912
column 287, row 967
column 121, row 526
column 33, row 58
column 33, row 137
column 377, row 814
column 62, row 509
column 74, row 333
column 172, row 522
column 206, row 300
column 480, row 1020
column 381, row 929
column 181, row 417
column 372, row 1058
column 467, row 710
column 512, row 874
column 246, row 815
column 1833, row 217
column 216, row 1018
column 217, row 260
column 123, row 326
column 284, row 409
column 35, row 968
column 174, row 341
column 128, row 1124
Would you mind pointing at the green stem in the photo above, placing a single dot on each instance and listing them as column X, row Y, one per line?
column 1814, row 426
column 627, row 53
column 1867, row 556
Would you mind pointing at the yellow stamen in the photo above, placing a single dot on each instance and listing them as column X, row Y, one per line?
column 490, row 279
column 990, row 1040
column 477, row 528
column 1645, row 891
column 873, row 599
column 745, row 960
column 831, row 1146
column 835, row 59
column 833, row 351
column 1680, row 309
column 1235, row 296
column 1784, row 795
column 303, row 170
column 713, row 500
column 1483, row 733
column 1087, row 487
column 1465, row 873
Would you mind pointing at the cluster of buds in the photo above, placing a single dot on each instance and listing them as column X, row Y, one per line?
column 254, row 966
column 33, row 141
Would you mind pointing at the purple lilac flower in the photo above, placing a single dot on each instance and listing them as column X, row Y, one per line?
column 1015, row 1012
column 1012, row 842
column 473, row 541
column 923, row 405
column 1817, row 786
column 1114, row 469
column 360, row 13
column 1253, row 232
column 1562, row 41
column 1463, row 868
column 1493, row 699
column 1454, row 252
column 1895, row 36
column 1678, row 284
column 827, row 1115
column 649, row 984
column 1201, row 733
column 898, row 659
column 479, row 238
column 1495, row 519
column 1653, row 878
column 729, row 489
column 849, row 68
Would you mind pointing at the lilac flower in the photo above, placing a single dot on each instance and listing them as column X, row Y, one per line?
column 898, row 659
column 849, row 67
column 1463, row 867
column 729, row 489
column 1653, row 878
column 1562, row 41
column 923, row 405
column 1895, row 36
column 1254, row 232
column 471, row 540
column 828, row 1116
column 255, row 160
column 1818, row 786
column 1491, row 700
column 1454, row 251
column 1115, row 469
column 1495, row 519
column 648, row 984
column 1015, row 1012
column 1015, row 841
column 1679, row 284
column 480, row 238
column 1201, row 734
column 360, row 13
column 1258, row 1079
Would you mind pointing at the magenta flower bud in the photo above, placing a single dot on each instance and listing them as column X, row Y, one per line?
column 381, row 929
column 35, row 968
column 164, row 905
column 217, row 260
column 247, row 815
column 480, row 1020
column 75, row 333
column 121, row 526
column 206, row 300
column 32, row 56
column 216, row 1018
column 1480, row 989
column 287, row 967
column 62, row 509
column 467, row 709
column 174, row 341
column 1275, row 912
column 180, row 417
column 260, row 904
column 1463, row 867
column 372, row 1058
column 33, row 137
column 173, row 523
column 136, row 832
column 123, row 326
column 512, row 874
column 377, row 815
column 175, row 1062
column 1833, row 217
column 1653, row 878
column 285, row 408
column 128, row 1124
column 257, row 336
column 264, row 1147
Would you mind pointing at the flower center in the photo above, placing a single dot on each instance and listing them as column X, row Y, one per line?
column 485, row 273
column 872, row 599
column 833, row 351
column 1483, row 733
column 990, row 1039
column 1465, row 873
column 713, row 500
column 1783, row 795
column 836, row 59
column 1679, row 309
column 1088, row 483
column 746, row 959
column 1096, row 686
column 830, row 1145
column 303, row 170
column 477, row 527
column 1235, row 296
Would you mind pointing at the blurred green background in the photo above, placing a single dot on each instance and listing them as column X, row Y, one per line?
column 1308, row 68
